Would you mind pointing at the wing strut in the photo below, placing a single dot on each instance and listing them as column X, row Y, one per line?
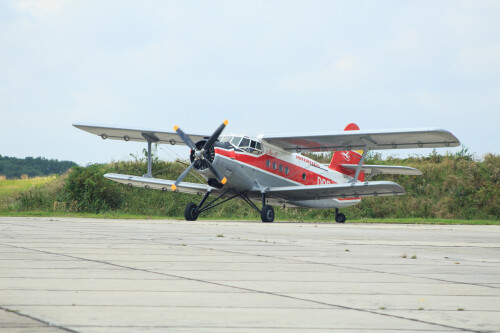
column 150, row 137
column 368, row 145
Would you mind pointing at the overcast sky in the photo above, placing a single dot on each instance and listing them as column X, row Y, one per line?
column 268, row 67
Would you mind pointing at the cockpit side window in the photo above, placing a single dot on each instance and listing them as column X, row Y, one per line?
column 236, row 140
column 244, row 143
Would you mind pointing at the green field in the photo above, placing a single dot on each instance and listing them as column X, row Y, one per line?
column 11, row 188
column 455, row 189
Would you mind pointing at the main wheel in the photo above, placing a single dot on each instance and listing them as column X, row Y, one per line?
column 267, row 213
column 340, row 218
column 191, row 212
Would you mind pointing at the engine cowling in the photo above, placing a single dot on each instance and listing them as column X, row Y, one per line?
column 209, row 155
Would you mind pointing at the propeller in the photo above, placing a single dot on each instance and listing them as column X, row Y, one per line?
column 200, row 154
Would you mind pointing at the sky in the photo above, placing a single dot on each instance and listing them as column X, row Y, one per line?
column 269, row 67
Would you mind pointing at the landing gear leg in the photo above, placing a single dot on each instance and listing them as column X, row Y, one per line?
column 192, row 210
column 339, row 217
column 267, row 211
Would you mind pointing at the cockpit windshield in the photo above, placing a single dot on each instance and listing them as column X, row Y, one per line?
column 244, row 143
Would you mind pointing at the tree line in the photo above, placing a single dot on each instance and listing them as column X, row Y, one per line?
column 13, row 167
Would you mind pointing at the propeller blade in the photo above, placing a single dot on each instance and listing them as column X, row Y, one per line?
column 181, row 177
column 214, row 136
column 185, row 137
column 215, row 172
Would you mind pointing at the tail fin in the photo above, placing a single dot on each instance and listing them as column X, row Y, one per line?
column 347, row 157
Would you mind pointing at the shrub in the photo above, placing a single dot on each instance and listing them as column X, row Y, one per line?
column 91, row 192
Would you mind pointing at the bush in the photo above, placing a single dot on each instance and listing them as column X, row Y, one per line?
column 454, row 186
column 90, row 191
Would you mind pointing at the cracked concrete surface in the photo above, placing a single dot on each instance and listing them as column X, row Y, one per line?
column 93, row 275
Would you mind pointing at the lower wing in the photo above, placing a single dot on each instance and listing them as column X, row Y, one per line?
column 337, row 191
column 159, row 184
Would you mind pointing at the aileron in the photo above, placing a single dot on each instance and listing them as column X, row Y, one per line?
column 374, row 140
column 158, row 184
column 338, row 191
column 138, row 135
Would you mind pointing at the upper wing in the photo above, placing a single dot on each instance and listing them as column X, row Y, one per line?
column 385, row 169
column 159, row 184
column 128, row 134
column 376, row 140
column 337, row 191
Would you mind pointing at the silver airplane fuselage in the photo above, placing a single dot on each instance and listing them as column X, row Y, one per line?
column 253, row 172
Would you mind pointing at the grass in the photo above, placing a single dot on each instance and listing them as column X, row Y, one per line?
column 10, row 188
column 108, row 215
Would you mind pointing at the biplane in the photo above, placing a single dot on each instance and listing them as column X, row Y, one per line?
column 272, row 170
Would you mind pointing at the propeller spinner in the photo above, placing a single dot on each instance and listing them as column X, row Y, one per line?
column 200, row 154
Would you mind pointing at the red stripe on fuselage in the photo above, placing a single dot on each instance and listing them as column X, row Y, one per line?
column 295, row 172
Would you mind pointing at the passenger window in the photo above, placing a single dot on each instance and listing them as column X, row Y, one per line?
column 287, row 170
column 268, row 163
column 304, row 176
column 281, row 168
column 274, row 165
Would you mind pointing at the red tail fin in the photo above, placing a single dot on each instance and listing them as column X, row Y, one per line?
column 347, row 157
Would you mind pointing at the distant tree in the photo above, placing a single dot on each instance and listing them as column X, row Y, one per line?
column 13, row 167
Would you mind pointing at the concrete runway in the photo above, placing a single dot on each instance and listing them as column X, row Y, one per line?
column 91, row 275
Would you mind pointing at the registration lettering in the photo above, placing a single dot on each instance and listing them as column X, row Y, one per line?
column 323, row 181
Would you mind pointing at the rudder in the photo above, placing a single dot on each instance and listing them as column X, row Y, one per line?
column 347, row 157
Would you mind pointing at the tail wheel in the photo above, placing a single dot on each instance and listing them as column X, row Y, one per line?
column 340, row 218
column 267, row 213
column 191, row 212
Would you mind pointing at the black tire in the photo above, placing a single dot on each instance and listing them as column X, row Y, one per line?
column 267, row 213
column 340, row 218
column 191, row 212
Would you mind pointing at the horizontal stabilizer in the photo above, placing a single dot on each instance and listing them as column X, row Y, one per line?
column 158, row 184
column 140, row 135
column 385, row 169
column 337, row 191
